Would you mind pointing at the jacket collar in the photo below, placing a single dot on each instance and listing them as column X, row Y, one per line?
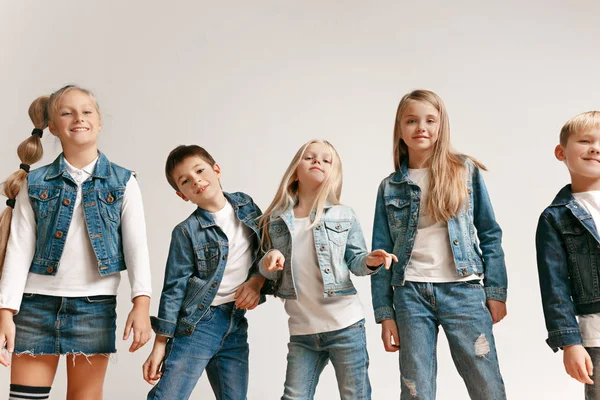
column 59, row 167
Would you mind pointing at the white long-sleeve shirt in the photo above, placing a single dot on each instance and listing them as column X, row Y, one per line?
column 78, row 273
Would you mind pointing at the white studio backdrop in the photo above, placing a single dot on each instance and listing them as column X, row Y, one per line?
column 252, row 81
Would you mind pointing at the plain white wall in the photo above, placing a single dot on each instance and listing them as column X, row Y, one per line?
column 252, row 81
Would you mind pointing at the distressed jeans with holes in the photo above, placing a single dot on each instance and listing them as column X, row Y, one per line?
column 308, row 355
column 459, row 308
column 219, row 344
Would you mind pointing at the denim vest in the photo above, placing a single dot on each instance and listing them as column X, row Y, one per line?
column 568, row 256
column 52, row 192
column 340, row 247
column 196, row 264
column 474, row 235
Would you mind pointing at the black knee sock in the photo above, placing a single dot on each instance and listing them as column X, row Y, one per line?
column 22, row 392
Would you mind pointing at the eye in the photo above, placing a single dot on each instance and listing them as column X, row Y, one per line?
column 184, row 182
column 201, row 170
column 410, row 121
column 87, row 112
column 327, row 161
column 431, row 121
column 584, row 141
column 308, row 158
column 65, row 113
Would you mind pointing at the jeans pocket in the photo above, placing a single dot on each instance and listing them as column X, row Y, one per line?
column 28, row 296
column 101, row 298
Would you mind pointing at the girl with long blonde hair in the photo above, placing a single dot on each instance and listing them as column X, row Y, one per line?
column 313, row 243
column 435, row 214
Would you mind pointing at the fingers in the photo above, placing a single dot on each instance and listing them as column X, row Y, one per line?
column 128, row 326
column 4, row 353
column 244, row 300
column 150, row 370
column 383, row 257
column 589, row 368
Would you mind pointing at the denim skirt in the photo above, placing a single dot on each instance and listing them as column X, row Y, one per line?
column 50, row 325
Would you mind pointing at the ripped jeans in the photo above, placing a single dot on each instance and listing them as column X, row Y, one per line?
column 460, row 308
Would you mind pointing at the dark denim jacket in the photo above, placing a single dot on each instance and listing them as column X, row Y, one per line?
column 53, row 191
column 475, row 236
column 568, row 258
column 195, row 267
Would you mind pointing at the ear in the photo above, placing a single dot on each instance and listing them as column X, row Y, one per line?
column 51, row 128
column 559, row 152
column 182, row 196
column 217, row 170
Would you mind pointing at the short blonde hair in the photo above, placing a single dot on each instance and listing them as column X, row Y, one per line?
column 579, row 123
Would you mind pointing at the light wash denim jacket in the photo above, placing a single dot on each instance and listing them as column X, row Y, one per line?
column 340, row 247
column 568, row 255
column 53, row 191
column 474, row 234
column 196, row 264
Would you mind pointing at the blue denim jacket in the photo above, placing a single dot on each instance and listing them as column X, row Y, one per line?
column 474, row 234
column 53, row 191
column 340, row 246
column 568, row 255
column 196, row 264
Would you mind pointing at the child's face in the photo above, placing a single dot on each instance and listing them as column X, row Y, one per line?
column 197, row 181
column 315, row 165
column 76, row 121
column 420, row 125
column 582, row 154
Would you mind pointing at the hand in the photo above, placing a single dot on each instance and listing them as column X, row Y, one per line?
column 274, row 261
column 7, row 335
column 578, row 363
column 389, row 332
column 248, row 294
column 138, row 320
column 151, row 368
column 497, row 310
column 378, row 257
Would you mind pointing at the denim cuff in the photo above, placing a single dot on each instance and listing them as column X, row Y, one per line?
column 385, row 312
column 562, row 338
column 495, row 293
column 163, row 327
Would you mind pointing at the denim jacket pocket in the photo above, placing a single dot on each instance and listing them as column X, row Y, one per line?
column 398, row 211
column 337, row 231
column 279, row 234
column 44, row 200
column 208, row 259
column 194, row 286
column 110, row 203
column 576, row 237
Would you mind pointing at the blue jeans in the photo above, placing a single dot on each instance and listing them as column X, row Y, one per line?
column 592, row 392
column 308, row 355
column 219, row 344
column 460, row 308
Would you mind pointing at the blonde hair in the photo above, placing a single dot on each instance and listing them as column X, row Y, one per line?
column 447, row 186
column 579, row 123
column 30, row 151
column 287, row 193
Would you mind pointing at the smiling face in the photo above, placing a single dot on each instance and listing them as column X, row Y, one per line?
column 76, row 121
column 315, row 165
column 582, row 156
column 198, row 182
column 420, row 125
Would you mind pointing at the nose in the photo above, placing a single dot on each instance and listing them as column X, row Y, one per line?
column 316, row 160
column 594, row 149
column 79, row 117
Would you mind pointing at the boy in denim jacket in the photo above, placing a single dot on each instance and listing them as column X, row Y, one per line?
column 568, row 254
column 210, row 281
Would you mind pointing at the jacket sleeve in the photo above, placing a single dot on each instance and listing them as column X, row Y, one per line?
column 356, row 251
column 181, row 264
column 553, row 272
column 490, row 241
column 382, row 292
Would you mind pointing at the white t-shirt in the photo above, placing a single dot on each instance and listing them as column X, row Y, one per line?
column 590, row 324
column 239, row 258
column 78, row 274
column 431, row 259
column 312, row 313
